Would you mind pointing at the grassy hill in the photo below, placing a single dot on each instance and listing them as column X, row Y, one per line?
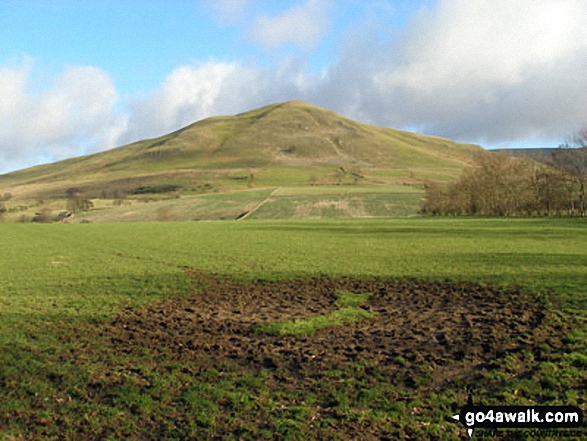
column 292, row 143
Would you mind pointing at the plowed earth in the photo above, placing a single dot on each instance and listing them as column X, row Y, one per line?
column 430, row 325
column 423, row 336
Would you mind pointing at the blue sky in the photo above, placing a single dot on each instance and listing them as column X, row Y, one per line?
column 78, row 77
column 139, row 42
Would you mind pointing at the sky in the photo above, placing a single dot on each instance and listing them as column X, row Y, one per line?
column 78, row 77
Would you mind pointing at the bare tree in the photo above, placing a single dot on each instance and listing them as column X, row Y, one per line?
column 119, row 197
column 551, row 192
column 572, row 158
column 251, row 181
column 77, row 202
column 499, row 185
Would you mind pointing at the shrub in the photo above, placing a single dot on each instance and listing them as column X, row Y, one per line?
column 43, row 217
column 155, row 189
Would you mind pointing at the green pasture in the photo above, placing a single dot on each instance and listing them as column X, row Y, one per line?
column 318, row 202
column 340, row 206
column 214, row 206
column 86, row 269
column 347, row 190
column 55, row 277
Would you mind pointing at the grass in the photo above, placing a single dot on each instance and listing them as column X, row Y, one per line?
column 345, row 204
column 286, row 144
column 327, row 201
column 347, row 190
column 84, row 267
column 340, row 317
column 215, row 206
column 57, row 278
column 351, row 299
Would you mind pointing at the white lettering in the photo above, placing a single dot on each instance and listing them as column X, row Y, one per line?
column 510, row 417
column 536, row 417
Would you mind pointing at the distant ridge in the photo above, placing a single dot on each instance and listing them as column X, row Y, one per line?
column 569, row 158
column 541, row 154
column 291, row 143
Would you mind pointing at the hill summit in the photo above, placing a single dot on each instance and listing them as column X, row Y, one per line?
column 288, row 143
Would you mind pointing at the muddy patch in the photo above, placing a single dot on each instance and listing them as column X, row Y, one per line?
column 197, row 367
column 439, row 329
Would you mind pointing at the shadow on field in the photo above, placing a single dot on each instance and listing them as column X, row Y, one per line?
column 474, row 228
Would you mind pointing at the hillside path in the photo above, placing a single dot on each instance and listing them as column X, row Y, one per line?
column 259, row 205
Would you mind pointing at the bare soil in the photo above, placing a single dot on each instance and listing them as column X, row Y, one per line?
column 428, row 324
column 424, row 335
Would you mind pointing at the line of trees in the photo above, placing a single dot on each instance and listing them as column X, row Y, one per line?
column 502, row 185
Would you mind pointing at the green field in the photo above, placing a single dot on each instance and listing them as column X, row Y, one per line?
column 341, row 202
column 301, row 202
column 58, row 278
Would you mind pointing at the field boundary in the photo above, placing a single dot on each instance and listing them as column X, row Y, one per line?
column 259, row 205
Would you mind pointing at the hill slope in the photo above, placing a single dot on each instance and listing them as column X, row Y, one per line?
column 540, row 154
column 572, row 158
column 292, row 143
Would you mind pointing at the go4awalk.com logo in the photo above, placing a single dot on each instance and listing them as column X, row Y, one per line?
column 544, row 420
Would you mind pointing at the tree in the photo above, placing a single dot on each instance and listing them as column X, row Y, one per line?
column 119, row 197
column 494, row 186
column 498, row 185
column 77, row 202
column 251, row 182
column 550, row 191
column 437, row 199
column 572, row 158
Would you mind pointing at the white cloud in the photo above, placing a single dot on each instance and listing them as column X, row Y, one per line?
column 490, row 70
column 76, row 114
column 487, row 71
column 302, row 25
column 493, row 40
column 191, row 93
